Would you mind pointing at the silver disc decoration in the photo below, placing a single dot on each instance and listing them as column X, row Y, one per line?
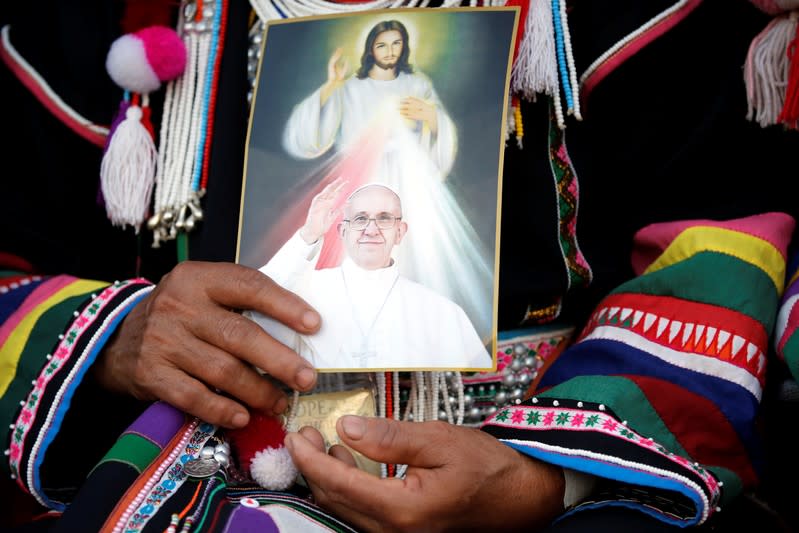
column 211, row 460
column 202, row 467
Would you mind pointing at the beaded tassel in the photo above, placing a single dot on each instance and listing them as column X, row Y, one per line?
column 187, row 124
column 138, row 63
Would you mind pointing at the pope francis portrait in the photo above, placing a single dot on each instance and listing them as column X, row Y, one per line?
column 373, row 318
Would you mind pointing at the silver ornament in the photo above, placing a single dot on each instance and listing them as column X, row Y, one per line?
column 222, row 459
column 501, row 398
column 201, row 467
column 207, row 452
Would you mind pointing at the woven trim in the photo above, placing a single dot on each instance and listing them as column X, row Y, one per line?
column 165, row 481
column 679, row 474
column 568, row 197
column 74, row 355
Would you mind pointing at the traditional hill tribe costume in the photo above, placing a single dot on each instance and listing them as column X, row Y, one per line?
column 657, row 400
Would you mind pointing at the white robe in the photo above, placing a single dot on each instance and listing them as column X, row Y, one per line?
column 371, row 319
column 444, row 252
column 312, row 128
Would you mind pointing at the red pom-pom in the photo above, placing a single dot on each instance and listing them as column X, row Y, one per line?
column 258, row 446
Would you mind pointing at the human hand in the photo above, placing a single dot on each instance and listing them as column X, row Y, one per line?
column 183, row 342
column 337, row 68
column 322, row 212
column 457, row 478
column 414, row 108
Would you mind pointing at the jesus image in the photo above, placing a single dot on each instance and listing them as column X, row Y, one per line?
column 385, row 123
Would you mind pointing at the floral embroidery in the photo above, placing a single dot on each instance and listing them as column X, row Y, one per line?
column 171, row 480
column 27, row 416
column 531, row 417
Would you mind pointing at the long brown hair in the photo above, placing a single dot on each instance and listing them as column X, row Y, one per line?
column 368, row 60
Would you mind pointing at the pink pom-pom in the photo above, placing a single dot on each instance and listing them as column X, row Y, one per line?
column 139, row 62
column 166, row 52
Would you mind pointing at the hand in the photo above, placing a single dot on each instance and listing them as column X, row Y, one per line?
column 414, row 108
column 337, row 70
column 457, row 478
column 322, row 212
column 183, row 342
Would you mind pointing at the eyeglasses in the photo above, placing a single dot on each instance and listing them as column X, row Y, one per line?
column 382, row 220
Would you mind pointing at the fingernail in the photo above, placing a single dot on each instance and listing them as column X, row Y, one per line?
column 280, row 405
column 240, row 420
column 353, row 426
column 306, row 377
column 310, row 319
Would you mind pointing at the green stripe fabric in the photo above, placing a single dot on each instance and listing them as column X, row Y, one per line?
column 697, row 279
column 732, row 483
column 132, row 449
column 41, row 342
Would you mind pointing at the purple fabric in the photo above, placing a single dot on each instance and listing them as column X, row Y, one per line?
column 158, row 423
column 793, row 289
column 248, row 519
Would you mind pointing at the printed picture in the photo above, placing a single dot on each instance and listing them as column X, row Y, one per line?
column 372, row 183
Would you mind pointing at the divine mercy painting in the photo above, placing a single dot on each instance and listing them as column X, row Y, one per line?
column 373, row 182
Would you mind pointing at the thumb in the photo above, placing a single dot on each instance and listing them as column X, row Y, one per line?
column 391, row 441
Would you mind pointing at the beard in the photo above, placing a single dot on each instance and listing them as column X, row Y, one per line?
column 387, row 65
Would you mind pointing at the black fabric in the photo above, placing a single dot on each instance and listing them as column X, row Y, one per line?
column 664, row 137
column 50, row 213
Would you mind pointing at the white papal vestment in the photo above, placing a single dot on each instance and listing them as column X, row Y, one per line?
column 371, row 319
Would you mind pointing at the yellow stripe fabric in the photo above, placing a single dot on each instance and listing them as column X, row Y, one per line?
column 15, row 343
column 744, row 246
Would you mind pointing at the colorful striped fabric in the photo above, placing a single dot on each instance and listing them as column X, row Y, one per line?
column 786, row 337
column 659, row 394
column 51, row 331
column 141, row 485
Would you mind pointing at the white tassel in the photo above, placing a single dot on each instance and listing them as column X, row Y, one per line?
column 536, row 68
column 127, row 172
column 766, row 70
